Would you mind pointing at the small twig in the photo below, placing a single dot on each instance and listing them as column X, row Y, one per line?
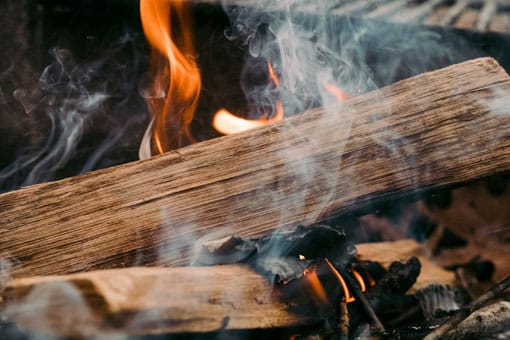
column 358, row 294
column 343, row 320
column 493, row 293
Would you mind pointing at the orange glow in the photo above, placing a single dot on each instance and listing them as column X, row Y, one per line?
column 272, row 75
column 176, row 76
column 371, row 281
column 347, row 294
column 227, row 123
column 340, row 94
column 358, row 278
column 316, row 286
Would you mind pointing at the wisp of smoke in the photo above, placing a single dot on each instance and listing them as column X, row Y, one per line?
column 307, row 52
column 74, row 96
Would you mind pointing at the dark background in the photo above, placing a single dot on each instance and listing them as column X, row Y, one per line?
column 102, row 49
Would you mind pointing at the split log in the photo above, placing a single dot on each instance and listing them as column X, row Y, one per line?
column 436, row 129
column 142, row 300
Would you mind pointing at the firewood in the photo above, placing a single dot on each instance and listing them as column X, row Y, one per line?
column 485, row 323
column 494, row 293
column 439, row 128
column 141, row 300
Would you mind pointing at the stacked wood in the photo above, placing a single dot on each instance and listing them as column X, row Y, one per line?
column 143, row 300
column 436, row 129
column 479, row 15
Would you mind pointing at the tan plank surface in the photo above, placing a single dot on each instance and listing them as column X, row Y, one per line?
column 439, row 128
column 142, row 300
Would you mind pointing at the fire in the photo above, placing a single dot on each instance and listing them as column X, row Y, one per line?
column 347, row 293
column 227, row 123
column 360, row 280
column 339, row 94
column 167, row 27
column 316, row 286
column 176, row 81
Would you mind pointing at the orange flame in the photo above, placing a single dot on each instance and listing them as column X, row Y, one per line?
column 340, row 94
column 226, row 123
column 273, row 75
column 360, row 280
column 347, row 293
column 316, row 286
column 176, row 73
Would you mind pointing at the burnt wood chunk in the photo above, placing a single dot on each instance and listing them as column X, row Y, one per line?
column 437, row 129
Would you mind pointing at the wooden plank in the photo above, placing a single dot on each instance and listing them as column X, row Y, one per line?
column 387, row 9
column 143, row 300
column 500, row 23
column 355, row 8
column 467, row 19
column 315, row 7
column 416, row 14
column 488, row 11
column 436, row 129
column 454, row 12
column 435, row 17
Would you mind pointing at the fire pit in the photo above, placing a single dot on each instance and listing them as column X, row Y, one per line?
column 354, row 125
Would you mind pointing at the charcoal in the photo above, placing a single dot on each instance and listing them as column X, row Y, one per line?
column 369, row 269
column 313, row 242
column 282, row 256
column 439, row 199
column 400, row 277
column 498, row 184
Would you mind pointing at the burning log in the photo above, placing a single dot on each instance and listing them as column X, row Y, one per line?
column 436, row 129
column 142, row 300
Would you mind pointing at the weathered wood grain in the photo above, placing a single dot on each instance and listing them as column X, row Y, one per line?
column 140, row 300
column 143, row 300
column 436, row 129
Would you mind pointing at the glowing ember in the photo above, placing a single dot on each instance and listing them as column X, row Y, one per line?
column 360, row 280
column 316, row 286
column 347, row 294
column 226, row 123
column 176, row 83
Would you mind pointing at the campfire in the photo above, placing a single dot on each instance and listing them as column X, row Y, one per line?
column 297, row 170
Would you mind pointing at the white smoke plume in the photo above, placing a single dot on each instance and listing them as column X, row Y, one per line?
column 74, row 95
column 308, row 51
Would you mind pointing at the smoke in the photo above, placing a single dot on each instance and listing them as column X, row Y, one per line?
column 74, row 96
column 58, row 308
column 310, row 52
